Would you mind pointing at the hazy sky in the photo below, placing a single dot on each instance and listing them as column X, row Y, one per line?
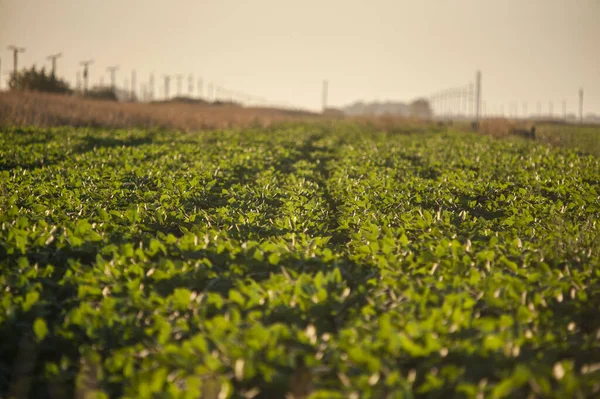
column 527, row 50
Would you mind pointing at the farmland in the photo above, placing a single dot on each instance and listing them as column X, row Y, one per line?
column 306, row 259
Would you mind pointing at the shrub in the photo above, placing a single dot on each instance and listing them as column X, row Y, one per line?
column 32, row 79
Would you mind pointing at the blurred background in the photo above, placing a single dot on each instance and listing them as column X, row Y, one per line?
column 538, row 58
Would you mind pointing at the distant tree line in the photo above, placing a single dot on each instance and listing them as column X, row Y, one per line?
column 419, row 108
column 33, row 79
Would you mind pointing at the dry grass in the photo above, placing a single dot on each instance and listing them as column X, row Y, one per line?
column 41, row 109
column 45, row 110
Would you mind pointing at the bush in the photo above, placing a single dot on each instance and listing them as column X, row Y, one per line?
column 31, row 79
column 102, row 93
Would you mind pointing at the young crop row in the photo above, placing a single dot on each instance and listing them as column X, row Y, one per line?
column 305, row 260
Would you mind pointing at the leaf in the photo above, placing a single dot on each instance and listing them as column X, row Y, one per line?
column 274, row 258
column 30, row 299
column 40, row 329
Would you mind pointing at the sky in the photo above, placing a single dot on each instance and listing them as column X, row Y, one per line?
column 528, row 51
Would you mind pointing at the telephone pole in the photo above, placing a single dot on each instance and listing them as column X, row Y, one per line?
column 113, row 76
column 132, row 93
column 16, row 50
column 477, row 95
column 167, row 81
column 85, row 74
column 179, row 80
column 581, row 105
column 53, row 59
column 325, row 89
column 190, row 85
column 151, row 88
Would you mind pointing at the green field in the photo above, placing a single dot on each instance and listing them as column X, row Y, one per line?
column 585, row 139
column 326, row 260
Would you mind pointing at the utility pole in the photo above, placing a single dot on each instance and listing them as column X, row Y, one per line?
column 477, row 95
column 581, row 105
column 53, row 59
column 325, row 88
column 167, row 81
column 113, row 76
column 151, row 88
column 16, row 50
column 190, row 84
column 132, row 94
column 179, row 80
column 126, row 88
column 85, row 74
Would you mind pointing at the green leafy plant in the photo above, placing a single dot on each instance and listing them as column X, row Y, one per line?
column 321, row 260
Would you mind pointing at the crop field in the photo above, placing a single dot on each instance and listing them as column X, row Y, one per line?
column 322, row 260
column 582, row 138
